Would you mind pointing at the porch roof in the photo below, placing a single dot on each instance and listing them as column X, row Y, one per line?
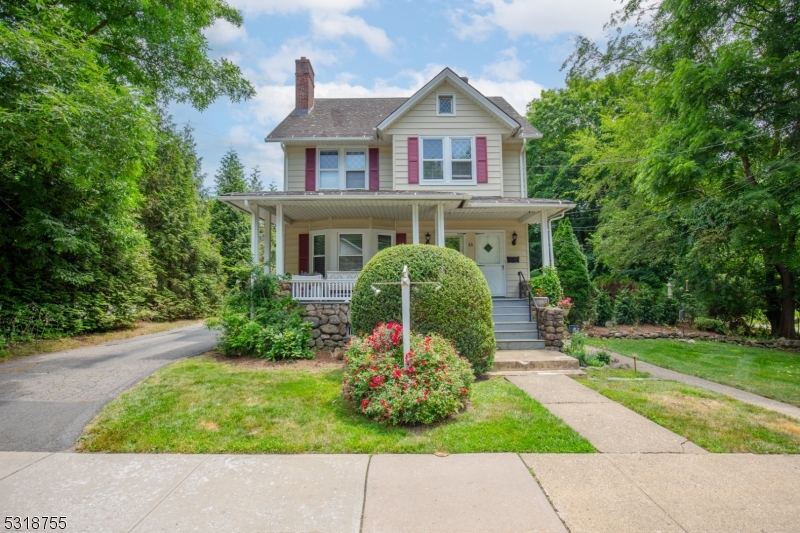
column 301, row 205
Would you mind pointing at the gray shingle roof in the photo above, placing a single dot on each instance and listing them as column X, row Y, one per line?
column 356, row 117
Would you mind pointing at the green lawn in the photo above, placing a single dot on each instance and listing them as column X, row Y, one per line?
column 771, row 373
column 711, row 420
column 204, row 406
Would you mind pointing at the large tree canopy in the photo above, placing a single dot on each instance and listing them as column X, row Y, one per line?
column 707, row 143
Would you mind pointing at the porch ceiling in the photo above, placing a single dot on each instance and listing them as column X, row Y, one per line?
column 395, row 205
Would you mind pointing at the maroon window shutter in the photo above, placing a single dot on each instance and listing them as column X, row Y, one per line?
column 399, row 238
column 413, row 160
column 483, row 167
column 302, row 254
column 374, row 170
column 311, row 170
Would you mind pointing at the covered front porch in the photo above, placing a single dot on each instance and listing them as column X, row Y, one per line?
column 323, row 239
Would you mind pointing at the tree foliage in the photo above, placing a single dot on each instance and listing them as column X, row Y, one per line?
column 693, row 161
column 176, row 219
column 572, row 270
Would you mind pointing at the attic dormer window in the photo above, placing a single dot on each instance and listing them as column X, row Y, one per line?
column 445, row 104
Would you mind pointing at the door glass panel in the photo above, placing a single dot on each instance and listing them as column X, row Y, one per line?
column 489, row 249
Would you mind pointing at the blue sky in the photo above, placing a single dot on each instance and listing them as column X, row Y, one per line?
column 509, row 48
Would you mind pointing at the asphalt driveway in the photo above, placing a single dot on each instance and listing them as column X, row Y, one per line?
column 46, row 400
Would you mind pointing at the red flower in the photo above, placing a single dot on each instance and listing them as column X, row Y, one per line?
column 463, row 391
column 397, row 374
column 364, row 404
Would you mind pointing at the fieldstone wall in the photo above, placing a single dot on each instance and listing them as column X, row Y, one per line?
column 551, row 327
column 779, row 344
column 330, row 325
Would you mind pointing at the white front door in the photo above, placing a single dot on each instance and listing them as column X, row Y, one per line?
column 490, row 258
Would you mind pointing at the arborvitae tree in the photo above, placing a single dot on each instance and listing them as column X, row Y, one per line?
column 176, row 219
column 603, row 308
column 625, row 308
column 572, row 268
column 230, row 226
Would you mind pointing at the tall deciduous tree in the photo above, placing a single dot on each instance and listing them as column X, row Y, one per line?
column 726, row 96
column 176, row 220
column 71, row 147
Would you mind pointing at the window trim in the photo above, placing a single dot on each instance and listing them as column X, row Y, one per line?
column 312, row 255
column 343, row 167
column 447, row 158
column 451, row 95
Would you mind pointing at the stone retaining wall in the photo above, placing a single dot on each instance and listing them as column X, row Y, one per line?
column 551, row 327
column 330, row 325
column 779, row 344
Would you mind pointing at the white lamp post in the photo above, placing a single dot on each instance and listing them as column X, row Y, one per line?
column 405, row 296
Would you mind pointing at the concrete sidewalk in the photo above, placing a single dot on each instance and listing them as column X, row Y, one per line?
column 280, row 493
column 591, row 493
column 609, row 426
column 744, row 396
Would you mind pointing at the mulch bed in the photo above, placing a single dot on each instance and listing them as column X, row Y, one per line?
column 322, row 359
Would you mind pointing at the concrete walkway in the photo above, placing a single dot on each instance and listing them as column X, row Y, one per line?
column 609, row 426
column 591, row 493
column 46, row 400
column 747, row 397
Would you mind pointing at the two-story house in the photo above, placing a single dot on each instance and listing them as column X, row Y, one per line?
column 444, row 167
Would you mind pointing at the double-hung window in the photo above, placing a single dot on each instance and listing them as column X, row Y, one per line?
column 351, row 251
column 342, row 169
column 448, row 160
column 318, row 253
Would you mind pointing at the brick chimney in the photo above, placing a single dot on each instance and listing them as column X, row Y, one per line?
column 303, row 84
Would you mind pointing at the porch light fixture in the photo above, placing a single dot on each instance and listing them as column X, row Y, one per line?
column 427, row 238
column 514, row 239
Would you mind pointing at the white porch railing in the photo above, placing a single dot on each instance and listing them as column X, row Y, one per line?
column 322, row 290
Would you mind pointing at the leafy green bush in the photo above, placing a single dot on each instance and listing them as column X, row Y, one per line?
column 646, row 302
column 435, row 385
column 572, row 268
column 603, row 356
column 546, row 283
column 276, row 331
column 603, row 308
column 625, row 311
column 710, row 324
column 460, row 311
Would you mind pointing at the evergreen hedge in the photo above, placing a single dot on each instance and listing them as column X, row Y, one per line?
column 461, row 311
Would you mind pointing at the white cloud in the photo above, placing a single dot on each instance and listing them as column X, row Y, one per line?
column 540, row 18
column 279, row 67
column 517, row 93
column 336, row 25
column 223, row 32
column 508, row 67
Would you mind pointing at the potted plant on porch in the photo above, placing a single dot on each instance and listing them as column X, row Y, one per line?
column 566, row 304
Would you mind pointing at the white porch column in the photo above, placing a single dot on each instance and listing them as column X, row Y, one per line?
column 440, row 225
column 414, row 224
column 254, row 234
column 267, row 238
column 279, row 241
column 550, row 242
column 546, row 251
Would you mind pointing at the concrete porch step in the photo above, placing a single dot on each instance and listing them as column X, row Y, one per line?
column 516, row 326
column 511, row 335
column 571, row 373
column 510, row 317
column 521, row 344
column 533, row 360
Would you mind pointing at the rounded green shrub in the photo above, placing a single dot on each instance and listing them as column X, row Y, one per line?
column 461, row 311
column 625, row 311
column 604, row 308
column 435, row 385
column 545, row 282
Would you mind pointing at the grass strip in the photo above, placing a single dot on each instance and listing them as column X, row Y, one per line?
column 711, row 420
column 204, row 406
column 771, row 373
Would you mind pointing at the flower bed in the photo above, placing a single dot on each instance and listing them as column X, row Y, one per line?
column 435, row 384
